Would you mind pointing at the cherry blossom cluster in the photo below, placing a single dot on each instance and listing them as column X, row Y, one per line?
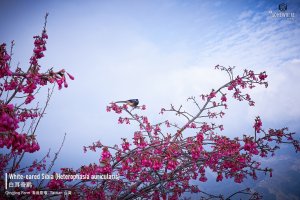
column 30, row 80
column 161, row 159
column 55, row 184
column 19, row 118
column 8, row 119
column 19, row 143
column 10, row 138
column 4, row 62
column 17, row 82
column 39, row 47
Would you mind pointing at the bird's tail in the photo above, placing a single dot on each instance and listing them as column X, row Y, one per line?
column 121, row 102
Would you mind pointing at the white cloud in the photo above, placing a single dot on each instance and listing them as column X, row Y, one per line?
column 278, row 193
column 269, row 45
column 295, row 61
column 280, row 101
column 245, row 14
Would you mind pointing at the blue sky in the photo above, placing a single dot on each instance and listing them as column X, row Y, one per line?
column 160, row 52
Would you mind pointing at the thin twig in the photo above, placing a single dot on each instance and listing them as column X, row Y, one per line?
column 54, row 159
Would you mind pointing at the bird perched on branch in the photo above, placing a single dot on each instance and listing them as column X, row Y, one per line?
column 130, row 102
